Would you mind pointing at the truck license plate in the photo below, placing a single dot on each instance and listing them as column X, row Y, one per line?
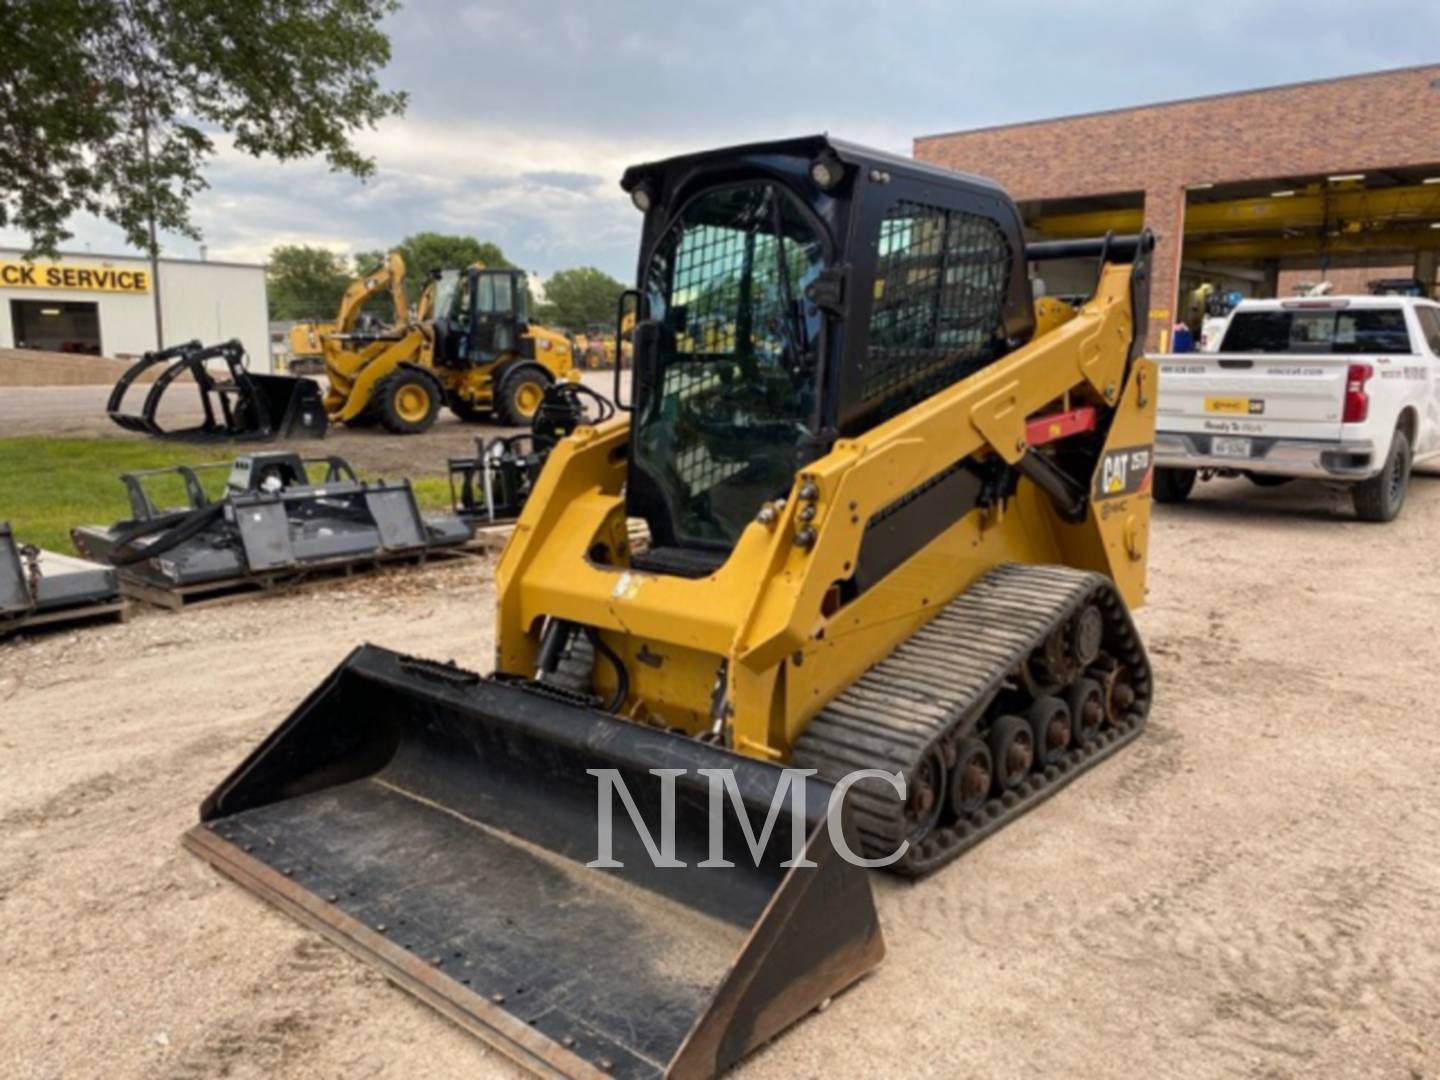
column 1230, row 446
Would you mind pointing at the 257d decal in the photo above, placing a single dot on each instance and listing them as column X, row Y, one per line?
column 1123, row 472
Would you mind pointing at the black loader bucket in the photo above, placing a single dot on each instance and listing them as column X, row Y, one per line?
column 244, row 406
column 439, row 825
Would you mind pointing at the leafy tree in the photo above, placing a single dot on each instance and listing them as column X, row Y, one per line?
column 427, row 251
column 304, row 282
column 577, row 298
column 108, row 107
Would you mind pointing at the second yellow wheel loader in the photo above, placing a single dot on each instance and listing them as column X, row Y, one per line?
column 471, row 347
column 898, row 517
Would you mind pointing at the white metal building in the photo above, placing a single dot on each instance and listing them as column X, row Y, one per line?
column 104, row 305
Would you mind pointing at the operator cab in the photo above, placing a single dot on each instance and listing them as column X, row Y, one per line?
column 481, row 315
column 791, row 293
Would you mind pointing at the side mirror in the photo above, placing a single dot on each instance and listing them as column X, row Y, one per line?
column 627, row 315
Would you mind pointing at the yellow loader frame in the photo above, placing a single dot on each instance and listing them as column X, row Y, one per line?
column 765, row 610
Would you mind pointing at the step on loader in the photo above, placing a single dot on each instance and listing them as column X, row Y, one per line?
column 278, row 516
column 44, row 588
column 243, row 406
column 898, row 512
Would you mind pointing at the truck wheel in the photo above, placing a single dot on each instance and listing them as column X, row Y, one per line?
column 408, row 401
column 1173, row 485
column 518, row 398
column 1380, row 498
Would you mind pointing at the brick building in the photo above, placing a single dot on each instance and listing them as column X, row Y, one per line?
column 1256, row 191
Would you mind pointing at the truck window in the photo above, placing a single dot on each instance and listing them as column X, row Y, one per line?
column 1430, row 326
column 1363, row 330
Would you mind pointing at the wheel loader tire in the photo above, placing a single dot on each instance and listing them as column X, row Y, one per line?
column 1380, row 498
column 469, row 412
column 519, row 395
column 1173, row 485
column 407, row 401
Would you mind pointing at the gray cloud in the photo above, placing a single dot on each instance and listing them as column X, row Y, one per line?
column 570, row 181
column 524, row 115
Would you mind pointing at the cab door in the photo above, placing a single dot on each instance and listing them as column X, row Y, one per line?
column 493, row 333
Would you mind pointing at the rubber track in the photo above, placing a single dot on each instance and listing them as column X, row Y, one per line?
column 576, row 667
column 940, row 682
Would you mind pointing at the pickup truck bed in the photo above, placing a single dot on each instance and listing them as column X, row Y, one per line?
column 1306, row 388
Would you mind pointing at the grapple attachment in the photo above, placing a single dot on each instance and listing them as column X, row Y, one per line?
column 244, row 406
column 439, row 826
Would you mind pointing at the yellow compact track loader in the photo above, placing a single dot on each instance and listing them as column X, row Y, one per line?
column 897, row 516
column 471, row 347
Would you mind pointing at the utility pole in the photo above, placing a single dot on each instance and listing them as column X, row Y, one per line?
column 150, row 219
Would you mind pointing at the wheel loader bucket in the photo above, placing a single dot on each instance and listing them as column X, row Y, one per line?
column 441, row 826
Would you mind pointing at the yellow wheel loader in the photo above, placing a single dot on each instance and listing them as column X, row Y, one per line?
column 471, row 347
column 897, row 517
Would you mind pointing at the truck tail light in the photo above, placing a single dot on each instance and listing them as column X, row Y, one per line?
column 1357, row 401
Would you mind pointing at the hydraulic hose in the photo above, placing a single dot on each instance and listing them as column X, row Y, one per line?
column 622, row 686
column 172, row 529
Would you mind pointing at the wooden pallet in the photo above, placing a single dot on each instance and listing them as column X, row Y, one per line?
column 118, row 609
column 494, row 537
column 290, row 580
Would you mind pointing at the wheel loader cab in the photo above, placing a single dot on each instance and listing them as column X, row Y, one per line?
column 494, row 312
column 480, row 315
column 764, row 339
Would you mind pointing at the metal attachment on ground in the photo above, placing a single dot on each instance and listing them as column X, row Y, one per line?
column 39, row 588
column 275, row 516
column 494, row 484
column 238, row 405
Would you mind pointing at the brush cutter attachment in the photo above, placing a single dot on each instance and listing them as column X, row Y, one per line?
column 39, row 587
column 440, row 825
column 243, row 406
column 278, row 514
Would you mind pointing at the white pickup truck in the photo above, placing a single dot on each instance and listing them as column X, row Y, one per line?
column 1338, row 388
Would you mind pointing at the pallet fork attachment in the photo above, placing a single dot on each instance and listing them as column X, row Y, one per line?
column 246, row 405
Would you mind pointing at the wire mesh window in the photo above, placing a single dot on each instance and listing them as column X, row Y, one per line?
column 735, row 373
column 938, row 315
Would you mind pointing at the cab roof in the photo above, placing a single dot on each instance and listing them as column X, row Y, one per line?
column 809, row 147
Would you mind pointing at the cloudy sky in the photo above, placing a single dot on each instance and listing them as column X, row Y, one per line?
column 523, row 115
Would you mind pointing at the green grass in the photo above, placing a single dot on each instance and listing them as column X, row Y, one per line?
column 48, row 485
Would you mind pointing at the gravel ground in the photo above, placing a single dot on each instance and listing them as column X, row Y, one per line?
column 1252, row 889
